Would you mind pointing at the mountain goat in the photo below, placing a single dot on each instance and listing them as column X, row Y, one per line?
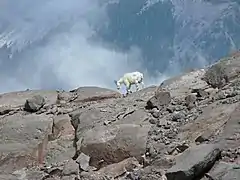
column 128, row 79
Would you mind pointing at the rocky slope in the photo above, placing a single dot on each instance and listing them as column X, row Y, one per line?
column 188, row 128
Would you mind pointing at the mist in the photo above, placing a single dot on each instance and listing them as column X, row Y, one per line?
column 55, row 45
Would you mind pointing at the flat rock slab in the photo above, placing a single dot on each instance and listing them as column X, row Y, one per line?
column 16, row 99
column 230, row 137
column 138, row 116
column 85, row 93
column 208, row 123
column 59, row 150
column 115, row 143
column 117, row 169
column 22, row 136
column 112, row 111
column 143, row 94
column 182, row 84
column 113, row 171
column 194, row 162
column 225, row 171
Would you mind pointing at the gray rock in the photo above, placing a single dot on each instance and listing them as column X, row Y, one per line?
column 64, row 96
column 23, row 140
column 230, row 137
column 220, row 95
column 17, row 99
column 62, row 126
column 70, row 168
column 178, row 116
column 194, row 162
column 115, row 143
column 34, row 104
column 216, row 76
column 203, row 137
column 60, row 150
column 83, row 161
column 225, row 171
column 190, row 100
column 153, row 120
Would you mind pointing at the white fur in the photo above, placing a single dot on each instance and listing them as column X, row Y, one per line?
column 129, row 79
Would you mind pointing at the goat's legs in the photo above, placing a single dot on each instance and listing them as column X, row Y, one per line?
column 128, row 86
column 137, row 86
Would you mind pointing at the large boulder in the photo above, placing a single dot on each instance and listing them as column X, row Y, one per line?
column 113, row 171
column 181, row 84
column 224, row 171
column 115, row 143
column 225, row 70
column 62, row 126
column 216, row 76
column 194, row 162
column 190, row 100
column 34, row 104
column 93, row 93
column 17, row 99
column 230, row 136
column 161, row 98
column 23, row 140
column 208, row 123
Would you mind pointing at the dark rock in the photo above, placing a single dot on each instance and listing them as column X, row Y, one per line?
column 194, row 162
column 34, row 104
column 200, row 93
column 203, row 137
column 153, row 121
column 160, row 99
column 179, row 148
column 5, row 110
column 156, row 114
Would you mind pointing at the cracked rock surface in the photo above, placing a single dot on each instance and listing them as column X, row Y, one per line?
column 187, row 128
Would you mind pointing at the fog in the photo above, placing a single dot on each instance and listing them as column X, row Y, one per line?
column 52, row 44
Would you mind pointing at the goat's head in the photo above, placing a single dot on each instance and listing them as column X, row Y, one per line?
column 117, row 84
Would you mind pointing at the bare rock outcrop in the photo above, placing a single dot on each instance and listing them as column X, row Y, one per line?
column 194, row 162
column 160, row 99
column 24, row 140
column 34, row 104
column 224, row 171
column 113, row 144
column 186, row 128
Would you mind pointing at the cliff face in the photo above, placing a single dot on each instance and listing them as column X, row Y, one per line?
column 185, row 33
column 187, row 128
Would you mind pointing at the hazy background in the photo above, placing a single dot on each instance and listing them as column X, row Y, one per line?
column 65, row 44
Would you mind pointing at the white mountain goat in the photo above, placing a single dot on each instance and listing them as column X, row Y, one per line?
column 128, row 79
